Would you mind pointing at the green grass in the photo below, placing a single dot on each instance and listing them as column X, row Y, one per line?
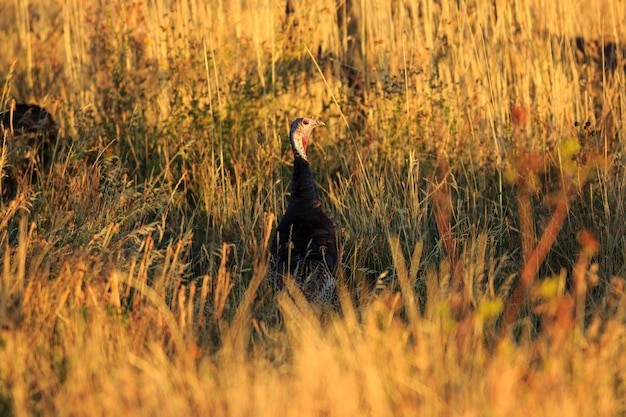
column 472, row 155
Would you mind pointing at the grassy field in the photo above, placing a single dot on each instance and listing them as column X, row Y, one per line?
column 473, row 156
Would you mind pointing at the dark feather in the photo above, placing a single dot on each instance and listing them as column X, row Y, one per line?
column 31, row 132
column 308, row 240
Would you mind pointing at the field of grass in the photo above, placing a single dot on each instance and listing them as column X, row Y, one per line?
column 472, row 155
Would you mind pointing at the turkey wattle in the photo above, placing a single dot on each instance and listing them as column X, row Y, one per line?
column 307, row 239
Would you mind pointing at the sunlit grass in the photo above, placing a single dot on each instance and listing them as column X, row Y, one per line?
column 472, row 156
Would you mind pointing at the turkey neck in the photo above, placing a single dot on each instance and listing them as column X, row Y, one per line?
column 303, row 184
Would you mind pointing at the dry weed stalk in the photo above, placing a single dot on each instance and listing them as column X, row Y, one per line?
column 574, row 173
column 166, row 313
column 236, row 336
column 582, row 274
column 223, row 285
column 204, row 294
column 442, row 208
column 405, row 277
column 529, row 164
column 536, row 258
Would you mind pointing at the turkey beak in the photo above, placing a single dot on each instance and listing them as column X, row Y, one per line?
column 317, row 123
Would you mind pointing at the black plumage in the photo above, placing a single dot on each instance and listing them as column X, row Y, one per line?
column 308, row 241
column 29, row 118
column 31, row 132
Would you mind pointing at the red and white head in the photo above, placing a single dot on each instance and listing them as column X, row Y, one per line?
column 300, row 133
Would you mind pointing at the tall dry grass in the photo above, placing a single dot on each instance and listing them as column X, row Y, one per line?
column 473, row 158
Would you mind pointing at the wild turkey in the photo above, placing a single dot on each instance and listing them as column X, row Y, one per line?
column 31, row 132
column 307, row 242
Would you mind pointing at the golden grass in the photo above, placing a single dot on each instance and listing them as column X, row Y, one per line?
column 473, row 157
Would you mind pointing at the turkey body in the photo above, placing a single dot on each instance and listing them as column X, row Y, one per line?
column 308, row 240
column 32, row 132
column 29, row 118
